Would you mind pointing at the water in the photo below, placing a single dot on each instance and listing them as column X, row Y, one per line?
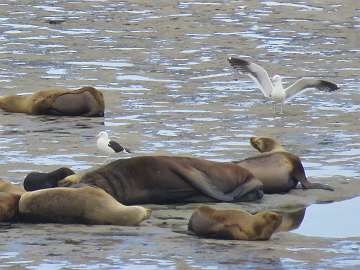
column 168, row 87
column 336, row 220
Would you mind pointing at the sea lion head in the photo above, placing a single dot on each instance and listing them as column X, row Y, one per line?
column 36, row 180
column 264, row 144
column 266, row 224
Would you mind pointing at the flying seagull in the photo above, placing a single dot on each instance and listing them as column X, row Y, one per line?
column 273, row 88
column 108, row 146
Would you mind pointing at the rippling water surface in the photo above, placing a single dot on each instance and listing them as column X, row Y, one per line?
column 167, row 84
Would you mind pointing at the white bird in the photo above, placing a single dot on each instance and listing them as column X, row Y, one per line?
column 273, row 88
column 108, row 146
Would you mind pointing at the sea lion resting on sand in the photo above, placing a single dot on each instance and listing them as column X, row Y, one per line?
column 9, row 200
column 36, row 180
column 86, row 101
column 169, row 179
column 89, row 205
column 277, row 169
column 233, row 224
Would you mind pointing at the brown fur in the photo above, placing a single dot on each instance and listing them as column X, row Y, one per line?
column 278, row 170
column 86, row 101
column 233, row 224
column 168, row 179
column 86, row 204
column 9, row 203
column 9, row 200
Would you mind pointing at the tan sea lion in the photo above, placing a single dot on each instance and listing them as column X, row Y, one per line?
column 9, row 203
column 278, row 170
column 169, row 179
column 86, row 101
column 9, row 200
column 88, row 205
column 233, row 224
column 6, row 186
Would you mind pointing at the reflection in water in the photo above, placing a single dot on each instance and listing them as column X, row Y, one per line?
column 291, row 220
column 338, row 219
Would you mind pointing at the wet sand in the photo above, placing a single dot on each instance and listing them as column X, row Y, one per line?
column 168, row 88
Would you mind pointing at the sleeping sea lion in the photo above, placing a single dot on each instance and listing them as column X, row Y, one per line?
column 86, row 101
column 233, row 224
column 9, row 200
column 88, row 205
column 36, row 180
column 278, row 170
column 169, row 179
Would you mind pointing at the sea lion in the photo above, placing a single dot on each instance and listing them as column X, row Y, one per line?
column 88, row 205
column 233, row 224
column 36, row 180
column 6, row 186
column 9, row 200
column 169, row 179
column 8, row 206
column 278, row 170
column 86, row 101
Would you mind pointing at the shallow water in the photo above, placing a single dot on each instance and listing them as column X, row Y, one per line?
column 331, row 220
column 168, row 86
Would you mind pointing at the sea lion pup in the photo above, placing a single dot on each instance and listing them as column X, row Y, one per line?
column 88, row 205
column 9, row 200
column 86, row 101
column 233, row 224
column 170, row 179
column 278, row 170
column 36, row 180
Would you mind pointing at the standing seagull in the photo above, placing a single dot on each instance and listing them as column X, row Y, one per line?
column 108, row 146
column 273, row 89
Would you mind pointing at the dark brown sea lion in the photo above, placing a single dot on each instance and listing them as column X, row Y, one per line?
column 9, row 200
column 88, row 205
column 36, row 180
column 278, row 170
column 233, row 224
column 86, row 101
column 169, row 179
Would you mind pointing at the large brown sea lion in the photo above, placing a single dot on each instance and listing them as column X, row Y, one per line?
column 86, row 101
column 88, row 205
column 169, row 179
column 233, row 224
column 278, row 170
column 9, row 200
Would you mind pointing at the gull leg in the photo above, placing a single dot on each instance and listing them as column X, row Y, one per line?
column 274, row 107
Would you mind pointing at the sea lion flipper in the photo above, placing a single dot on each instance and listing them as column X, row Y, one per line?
column 308, row 185
column 199, row 181
column 69, row 180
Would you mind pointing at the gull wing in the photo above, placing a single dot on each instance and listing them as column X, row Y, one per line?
column 305, row 84
column 254, row 71
column 115, row 146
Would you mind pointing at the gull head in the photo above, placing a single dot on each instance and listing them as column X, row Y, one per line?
column 102, row 134
column 276, row 79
